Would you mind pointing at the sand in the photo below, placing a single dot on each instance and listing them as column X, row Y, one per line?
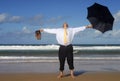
column 86, row 76
column 92, row 70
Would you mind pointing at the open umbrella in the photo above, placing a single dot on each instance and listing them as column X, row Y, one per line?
column 100, row 17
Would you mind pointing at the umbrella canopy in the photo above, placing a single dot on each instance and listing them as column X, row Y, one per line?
column 100, row 17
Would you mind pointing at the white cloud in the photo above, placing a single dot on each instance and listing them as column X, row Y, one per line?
column 112, row 34
column 117, row 16
column 33, row 20
column 3, row 17
column 116, row 33
column 15, row 19
column 6, row 18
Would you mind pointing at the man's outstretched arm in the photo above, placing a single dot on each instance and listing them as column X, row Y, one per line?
column 41, row 30
column 51, row 31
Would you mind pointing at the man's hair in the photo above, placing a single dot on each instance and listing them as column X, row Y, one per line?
column 66, row 24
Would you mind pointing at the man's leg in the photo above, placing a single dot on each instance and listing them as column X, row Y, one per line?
column 70, row 60
column 62, row 63
column 62, row 57
column 71, row 67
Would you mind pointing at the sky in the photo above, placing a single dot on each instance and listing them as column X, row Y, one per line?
column 19, row 19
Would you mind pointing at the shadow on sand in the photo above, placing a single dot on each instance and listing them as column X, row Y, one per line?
column 76, row 73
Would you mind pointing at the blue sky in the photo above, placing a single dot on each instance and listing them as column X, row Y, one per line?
column 20, row 18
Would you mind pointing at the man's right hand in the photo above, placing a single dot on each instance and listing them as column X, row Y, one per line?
column 41, row 30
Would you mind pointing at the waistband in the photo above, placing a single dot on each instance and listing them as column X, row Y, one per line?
column 65, row 46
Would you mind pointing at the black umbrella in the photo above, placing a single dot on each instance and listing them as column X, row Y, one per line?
column 100, row 17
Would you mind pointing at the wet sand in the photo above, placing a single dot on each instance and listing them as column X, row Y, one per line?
column 92, row 70
column 85, row 76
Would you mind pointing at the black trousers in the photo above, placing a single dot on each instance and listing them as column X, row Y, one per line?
column 66, row 52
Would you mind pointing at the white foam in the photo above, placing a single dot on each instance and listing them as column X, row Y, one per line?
column 47, row 47
column 56, row 47
column 16, row 59
column 26, row 57
column 98, row 48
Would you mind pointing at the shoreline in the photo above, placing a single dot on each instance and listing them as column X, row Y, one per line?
column 85, row 70
column 53, row 67
column 85, row 76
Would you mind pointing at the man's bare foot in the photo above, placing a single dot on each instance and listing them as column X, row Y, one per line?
column 72, row 75
column 60, row 75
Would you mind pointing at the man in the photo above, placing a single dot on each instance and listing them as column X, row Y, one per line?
column 64, row 37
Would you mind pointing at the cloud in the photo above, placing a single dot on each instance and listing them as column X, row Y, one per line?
column 95, row 34
column 38, row 19
column 6, row 18
column 33, row 20
column 15, row 19
column 42, row 20
column 110, row 34
column 116, row 33
column 117, row 16
column 3, row 18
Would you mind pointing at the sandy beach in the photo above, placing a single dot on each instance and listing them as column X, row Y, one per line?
column 87, row 76
column 92, row 70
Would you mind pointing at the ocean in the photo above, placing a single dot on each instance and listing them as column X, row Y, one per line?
column 49, row 53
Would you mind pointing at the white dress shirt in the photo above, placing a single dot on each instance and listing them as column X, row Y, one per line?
column 60, row 34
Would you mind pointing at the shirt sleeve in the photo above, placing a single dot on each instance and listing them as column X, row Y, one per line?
column 78, row 29
column 51, row 31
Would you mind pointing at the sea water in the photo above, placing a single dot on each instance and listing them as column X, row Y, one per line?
column 49, row 53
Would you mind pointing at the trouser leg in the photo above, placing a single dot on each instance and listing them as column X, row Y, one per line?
column 70, row 63
column 62, row 57
column 70, row 57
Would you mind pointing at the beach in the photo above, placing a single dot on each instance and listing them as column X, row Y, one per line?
column 87, row 76
column 40, row 63
column 92, row 70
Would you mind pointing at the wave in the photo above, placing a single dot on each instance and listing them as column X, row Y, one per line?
column 46, row 47
column 24, row 59
column 56, row 47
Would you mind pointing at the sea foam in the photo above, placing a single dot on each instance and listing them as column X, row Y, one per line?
column 56, row 47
